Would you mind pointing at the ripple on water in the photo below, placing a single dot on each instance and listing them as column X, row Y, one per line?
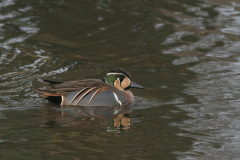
column 216, row 114
column 20, row 62
column 200, row 36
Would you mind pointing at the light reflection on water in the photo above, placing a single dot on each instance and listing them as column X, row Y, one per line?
column 216, row 111
column 185, row 54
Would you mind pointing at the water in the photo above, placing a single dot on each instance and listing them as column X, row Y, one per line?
column 184, row 52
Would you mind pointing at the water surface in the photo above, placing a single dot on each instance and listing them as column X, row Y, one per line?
column 184, row 52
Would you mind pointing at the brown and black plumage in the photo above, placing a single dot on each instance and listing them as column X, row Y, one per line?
column 112, row 90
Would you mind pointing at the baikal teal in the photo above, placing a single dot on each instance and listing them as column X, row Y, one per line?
column 113, row 90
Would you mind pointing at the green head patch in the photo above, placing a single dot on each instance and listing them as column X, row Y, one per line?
column 111, row 77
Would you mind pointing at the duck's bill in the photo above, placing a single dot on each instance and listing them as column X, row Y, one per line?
column 134, row 85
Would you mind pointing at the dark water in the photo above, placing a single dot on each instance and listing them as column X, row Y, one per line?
column 184, row 52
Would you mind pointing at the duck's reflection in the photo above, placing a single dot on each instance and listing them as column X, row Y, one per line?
column 114, row 118
column 122, row 121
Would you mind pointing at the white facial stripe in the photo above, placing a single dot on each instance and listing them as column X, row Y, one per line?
column 116, row 97
column 115, row 73
column 105, row 80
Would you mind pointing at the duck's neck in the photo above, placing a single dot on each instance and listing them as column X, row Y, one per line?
column 129, row 96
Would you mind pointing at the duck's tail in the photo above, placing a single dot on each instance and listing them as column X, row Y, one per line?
column 49, row 94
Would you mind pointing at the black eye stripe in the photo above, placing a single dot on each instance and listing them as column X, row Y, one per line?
column 121, row 78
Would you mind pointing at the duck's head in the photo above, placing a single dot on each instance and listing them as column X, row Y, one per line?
column 120, row 79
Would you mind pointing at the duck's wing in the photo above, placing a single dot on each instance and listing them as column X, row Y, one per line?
column 71, row 91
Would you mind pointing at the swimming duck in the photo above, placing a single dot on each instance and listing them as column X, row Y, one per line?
column 111, row 91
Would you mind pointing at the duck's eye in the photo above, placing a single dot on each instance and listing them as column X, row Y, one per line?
column 121, row 78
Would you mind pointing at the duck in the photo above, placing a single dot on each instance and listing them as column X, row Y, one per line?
column 113, row 90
